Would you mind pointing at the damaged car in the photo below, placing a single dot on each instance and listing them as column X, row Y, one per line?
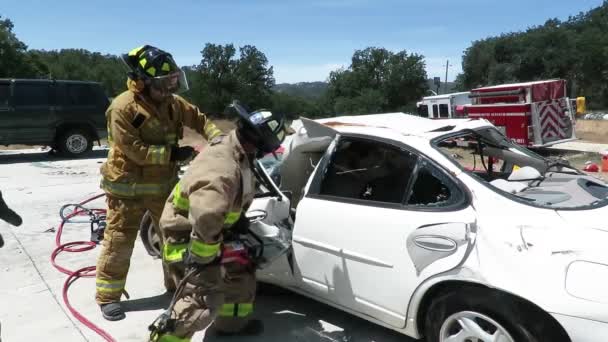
column 438, row 229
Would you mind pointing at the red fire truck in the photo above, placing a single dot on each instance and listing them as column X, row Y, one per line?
column 532, row 114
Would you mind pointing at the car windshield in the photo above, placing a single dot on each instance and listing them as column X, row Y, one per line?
column 519, row 173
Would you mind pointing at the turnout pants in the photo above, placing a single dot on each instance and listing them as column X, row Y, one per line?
column 123, row 221
column 222, row 294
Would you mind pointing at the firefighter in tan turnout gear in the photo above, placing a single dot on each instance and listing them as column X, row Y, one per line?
column 205, row 210
column 144, row 126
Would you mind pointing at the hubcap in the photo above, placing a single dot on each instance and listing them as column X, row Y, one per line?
column 468, row 326
column 76, row 143
column 154, row 239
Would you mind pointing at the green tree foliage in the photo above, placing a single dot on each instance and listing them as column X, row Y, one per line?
column 377, row 81
column 83, row 65
column 575, row 50
column 14, row 60
column 222, row 76
column 307, row 90
column 294, row 106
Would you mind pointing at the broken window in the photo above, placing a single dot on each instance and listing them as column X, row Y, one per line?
column 368, row 170
column 432, row 188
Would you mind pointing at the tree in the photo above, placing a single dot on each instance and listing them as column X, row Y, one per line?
column 14, row 61
column 574, row 50
column 84, row 65
column 377, row 80
column 221, row 77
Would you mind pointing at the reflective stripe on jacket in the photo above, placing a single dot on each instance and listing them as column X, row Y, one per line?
column 211, row 196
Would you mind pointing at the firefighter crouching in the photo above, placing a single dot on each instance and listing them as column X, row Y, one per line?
column 201, row 214
column 144, row 126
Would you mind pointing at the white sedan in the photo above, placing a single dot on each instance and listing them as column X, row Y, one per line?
column 441, row 229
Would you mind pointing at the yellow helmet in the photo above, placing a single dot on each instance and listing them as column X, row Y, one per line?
column 156, row 68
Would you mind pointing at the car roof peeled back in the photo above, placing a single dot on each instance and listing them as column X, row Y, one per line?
column 401, row 123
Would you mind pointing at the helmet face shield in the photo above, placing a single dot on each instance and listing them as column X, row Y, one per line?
column 174, row 82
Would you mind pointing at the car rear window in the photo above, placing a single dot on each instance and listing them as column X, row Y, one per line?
column 32, row 94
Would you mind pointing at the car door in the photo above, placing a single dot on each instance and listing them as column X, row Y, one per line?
column 31, row 116
column 270, row 217
column 377, row 219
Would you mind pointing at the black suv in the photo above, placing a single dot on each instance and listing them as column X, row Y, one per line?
column 65, row 115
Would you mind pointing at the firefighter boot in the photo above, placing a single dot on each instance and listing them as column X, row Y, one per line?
column 253, row 327
column 112, row 311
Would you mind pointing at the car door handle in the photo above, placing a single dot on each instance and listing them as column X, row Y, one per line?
column 435, row 243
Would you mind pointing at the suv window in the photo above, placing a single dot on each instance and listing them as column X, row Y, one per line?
column 81, row 95
column 433, row 189
column 32, row 94
column 5, row 94
column 368, row 170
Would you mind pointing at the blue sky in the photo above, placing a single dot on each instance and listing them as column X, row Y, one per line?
column 303, row 40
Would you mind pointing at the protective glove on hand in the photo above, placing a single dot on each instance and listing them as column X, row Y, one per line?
column 181, row 153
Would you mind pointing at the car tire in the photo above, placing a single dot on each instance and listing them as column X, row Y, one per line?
column 149, row 235
column 478, row 314
column 74, row 142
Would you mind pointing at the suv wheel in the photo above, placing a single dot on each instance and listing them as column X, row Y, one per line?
column 480, row 315
column 75, row 142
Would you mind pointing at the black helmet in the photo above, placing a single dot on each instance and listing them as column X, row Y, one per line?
column 155, row 67
column 261, row 128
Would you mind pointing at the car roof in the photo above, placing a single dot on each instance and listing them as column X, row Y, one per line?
column 402, row 124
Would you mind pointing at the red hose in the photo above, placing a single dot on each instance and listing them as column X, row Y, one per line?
column 85, row 272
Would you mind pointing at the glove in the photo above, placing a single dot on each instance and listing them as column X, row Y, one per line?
column 181, row 153
column 241, row 226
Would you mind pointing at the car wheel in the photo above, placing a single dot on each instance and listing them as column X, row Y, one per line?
column 479, row 315
column 75, row 142
column 149, row 236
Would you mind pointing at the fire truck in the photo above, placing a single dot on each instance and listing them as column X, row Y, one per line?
column 532, row 114
column 444, row 106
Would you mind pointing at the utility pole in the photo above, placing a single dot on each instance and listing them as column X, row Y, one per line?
column 445, row 84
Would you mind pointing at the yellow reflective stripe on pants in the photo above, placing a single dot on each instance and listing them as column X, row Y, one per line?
column 180, row 202
column 110, row 285
column 157, row 155
column 211, row 130
column 170, row 338
column 174, row 252
column 204, row 250
column 236, row 309
column 232, row 217
column 134, row 189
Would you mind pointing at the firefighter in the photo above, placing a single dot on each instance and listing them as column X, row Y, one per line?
column 198, row 226
column 144, row 126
